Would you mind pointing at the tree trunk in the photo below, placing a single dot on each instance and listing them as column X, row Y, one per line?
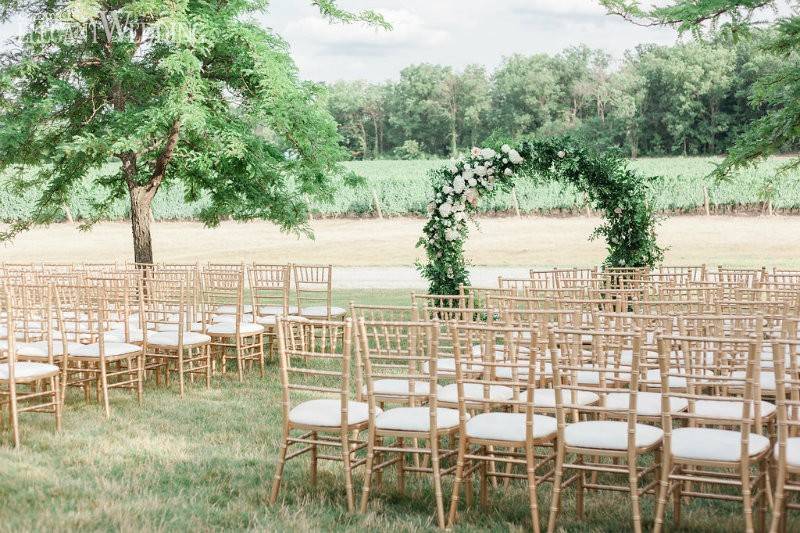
column 140, row 224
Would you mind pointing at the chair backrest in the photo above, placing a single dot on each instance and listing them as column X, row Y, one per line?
column 505, row 361
column 444, row 301
column 270, row 286
column 222, row 293
column 84, row 313
column 165, row 303
column 404, row 354
column 313, row 285
column 601, row 363
column 8, row 347
column 315, row 361
column 717, row 369
column 786, row 361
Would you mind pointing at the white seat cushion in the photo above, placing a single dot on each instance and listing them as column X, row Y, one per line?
column 229, row 328
column 328, row 413
column 547, row 397
column 194, row 326
column 231, row 318
column 447, row 366
column 399, row 387
column 134, row 334
column 321, row 311
column 24, row 370
column 231, row 309
column 267, row 320
column 276, row 310
column 39, row 348
column 509, row 426
column 475, row 391
column 609, row 435
column 710, row 444
column 112, row 349
column 727, row 410
column 416, row 419
column 170, row 338
column 647, row 403
column 792, row 452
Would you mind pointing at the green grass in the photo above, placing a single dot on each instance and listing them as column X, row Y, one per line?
column 403, row 187
column 205, row 462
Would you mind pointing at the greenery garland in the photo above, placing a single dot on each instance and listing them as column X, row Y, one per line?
column 621, row 194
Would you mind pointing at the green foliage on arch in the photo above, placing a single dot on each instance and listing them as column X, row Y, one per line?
column 621, row 194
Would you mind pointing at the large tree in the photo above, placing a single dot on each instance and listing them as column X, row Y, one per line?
column 188, row 92
column 777, row 93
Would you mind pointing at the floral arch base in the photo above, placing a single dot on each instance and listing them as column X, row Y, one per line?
column 611, row 187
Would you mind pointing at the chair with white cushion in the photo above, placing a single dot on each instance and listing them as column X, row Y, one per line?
column 591, row 361
column 171, row 340
column 709, row 450
column 25, row 386
column 318, row 409
column 313, row 285
column 417, row 427
column 94, row 362
column 229, row 323
column 499, row 424
column 786, row 354
column 269, row 293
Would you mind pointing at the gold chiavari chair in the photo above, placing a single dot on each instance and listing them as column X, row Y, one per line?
column 94, row 362
column 787, row 449
column 443, row 301
column 234, row 335
column 172, row 338
column 709, row 451
column 481, row 296
column 270, row 287
column 315, row 361
column 407, row 426
column 610, row 433
column 751, row 278
column 313, row 285
column 520, row 286
column 25, row 386
column 498, row 420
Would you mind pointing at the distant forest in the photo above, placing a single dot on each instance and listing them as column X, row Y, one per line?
column 686, row 99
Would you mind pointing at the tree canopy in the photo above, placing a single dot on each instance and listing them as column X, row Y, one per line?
column 777, row 91
column 188, row 94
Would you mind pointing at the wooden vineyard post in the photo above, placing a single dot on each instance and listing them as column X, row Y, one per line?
column 706, row 201
column 376, row 203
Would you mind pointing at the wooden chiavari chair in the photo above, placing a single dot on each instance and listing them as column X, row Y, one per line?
column 96, row 362
column 269, row 293
column 313, row 285
column 422, row 420
column 172, row 338
column 234, row 335
column 612, row 434
column 787, row 449
column 442, row 301
column 25, row 386
column 709, row 450
column 315, row 360
column 498, row 421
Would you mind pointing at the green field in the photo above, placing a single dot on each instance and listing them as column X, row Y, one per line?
column 205, row 463
column 403, row 187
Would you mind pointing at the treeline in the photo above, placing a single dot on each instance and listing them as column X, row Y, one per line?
column 687, row 99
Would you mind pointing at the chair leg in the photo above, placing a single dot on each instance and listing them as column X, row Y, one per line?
column 663, row 491
column 579, row 490
column 209, row 364
column 55, row 388
column 12, row 413
column 239, row 359
column 401, row 467
column 530, row 467
column 633, row 481
column 140, row 378
column 348, row 472
column 778, row 507
column 437, row 481
column 747, row 500
column 276, row 481
column 181, row 380
column 761, row 501
column 314, row 461
column 368, row 471
column 677, row 501
column 104, row 388
column 462, row 451
column 555, row 501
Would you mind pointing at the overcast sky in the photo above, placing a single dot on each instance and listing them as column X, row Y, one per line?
column 450, row 32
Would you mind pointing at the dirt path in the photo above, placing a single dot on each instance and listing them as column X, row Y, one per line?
column 501, row 242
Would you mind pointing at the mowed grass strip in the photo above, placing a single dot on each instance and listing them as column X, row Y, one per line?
column 205, row 462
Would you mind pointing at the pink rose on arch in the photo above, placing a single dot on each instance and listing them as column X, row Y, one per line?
column 476, row 151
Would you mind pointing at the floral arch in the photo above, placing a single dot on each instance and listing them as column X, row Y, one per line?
column 621, row 194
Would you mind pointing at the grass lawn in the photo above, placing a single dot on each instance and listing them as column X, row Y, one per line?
column 205, row 462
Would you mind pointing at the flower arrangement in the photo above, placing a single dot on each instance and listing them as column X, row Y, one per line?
column 611, row 186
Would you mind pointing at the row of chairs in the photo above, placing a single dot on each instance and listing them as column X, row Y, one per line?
column 673, row 403
column 101, row 328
